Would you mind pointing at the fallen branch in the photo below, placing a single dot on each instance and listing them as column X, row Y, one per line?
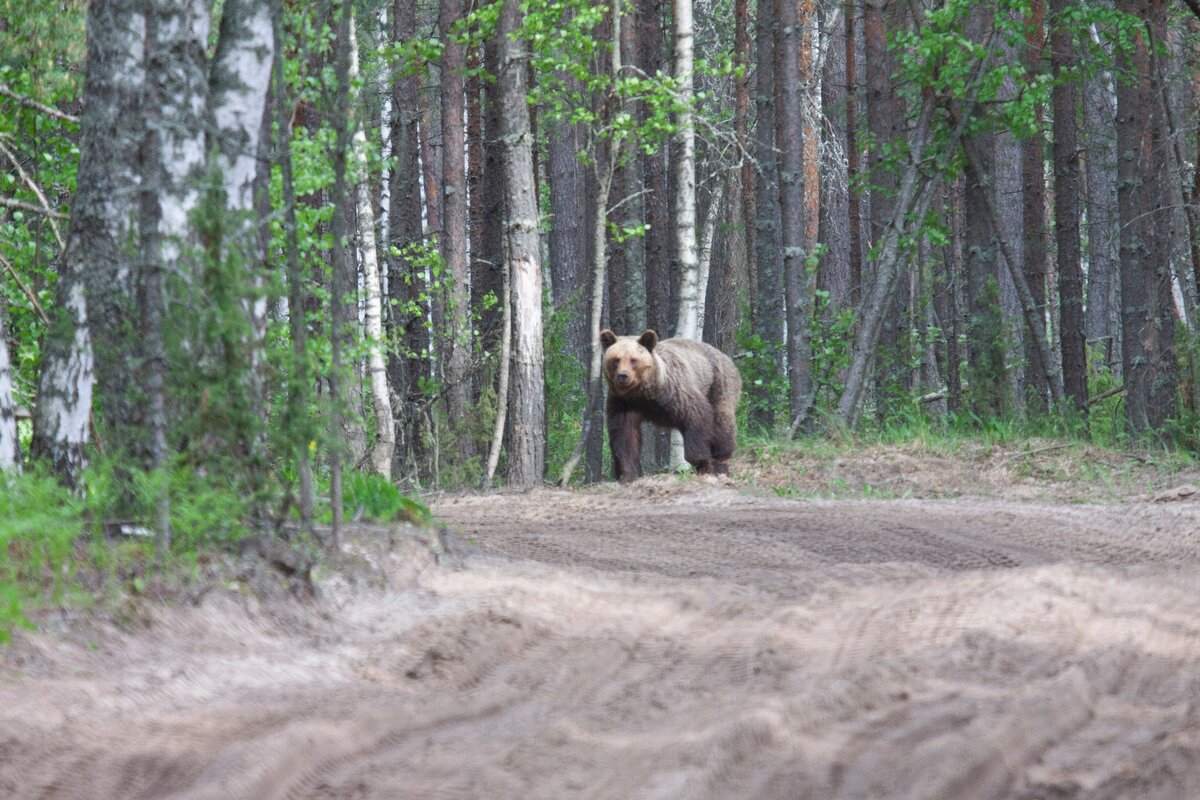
column 1034, row 452
column 1106, row 395
column 29, row 102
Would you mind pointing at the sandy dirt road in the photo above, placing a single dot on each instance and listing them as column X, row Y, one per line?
column 664, row 640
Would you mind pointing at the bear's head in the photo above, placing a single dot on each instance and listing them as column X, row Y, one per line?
column 628, row 361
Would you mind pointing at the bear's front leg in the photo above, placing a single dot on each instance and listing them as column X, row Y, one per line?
column 624, row 440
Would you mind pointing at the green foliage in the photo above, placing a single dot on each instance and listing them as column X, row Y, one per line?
column 764, row 383
column 566, row 399
column 41, row 52
column 377, row 499
column 831, row 334
column 987, row 370
column 39, row 521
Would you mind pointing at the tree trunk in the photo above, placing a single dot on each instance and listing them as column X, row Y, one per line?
column 407, row 288
column 10, row 445
column 834, row 276
column 1033, row 207
column 885, row 116
column 687, row 318
column 853, row 214
column 99, row 264
column 1102, row 315
column 454, row 232
column 527, row 441
column 568, row 250
column 767, row 319
column 790, row 136
column 485, row 273
column 383, row 448
column 239, row 82
column 492, row 245
column 1135, row 185
column 342, row 272
column 1066, row 214
column 1161, row 216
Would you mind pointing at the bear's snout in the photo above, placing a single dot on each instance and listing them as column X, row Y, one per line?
column 622, row 378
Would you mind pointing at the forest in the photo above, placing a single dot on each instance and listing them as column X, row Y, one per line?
column 263, row 258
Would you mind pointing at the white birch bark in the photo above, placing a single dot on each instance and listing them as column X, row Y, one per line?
column 10, row 446
column 238, row 86
column 688, row 319
column 385, row 430
column 177, row 67
column 98, row 255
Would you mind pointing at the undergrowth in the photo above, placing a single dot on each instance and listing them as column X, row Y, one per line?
column 62, row 547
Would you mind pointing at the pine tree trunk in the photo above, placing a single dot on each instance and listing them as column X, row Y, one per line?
column 793, row 211
column 1160, row 215
column 1033, row 207
column 1066, row 215
column 1102, row 315
column 485, row 273
column 885, row 116
column 341, row 269
column 493, row 166
column 767, row 320
column 527, row 441
column 1133, row 147
column 567, row 248
column 853, row 212
column 454, row 232
column 834, row 276
column 406, row 284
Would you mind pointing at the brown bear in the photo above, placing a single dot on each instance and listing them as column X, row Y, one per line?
column 674, row 383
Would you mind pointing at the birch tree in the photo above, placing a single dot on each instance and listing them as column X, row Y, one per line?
column 687, row 317
column 383, row 448
column 10, row 446
column 238, row 84
column 97, row 262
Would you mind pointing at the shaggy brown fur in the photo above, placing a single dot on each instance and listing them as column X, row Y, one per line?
column 674, row 383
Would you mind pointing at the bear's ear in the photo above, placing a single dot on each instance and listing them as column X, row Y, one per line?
column 648, row 339
column 607, row 338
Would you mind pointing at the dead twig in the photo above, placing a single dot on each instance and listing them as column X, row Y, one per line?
column 24, row 288
column 1034, row 452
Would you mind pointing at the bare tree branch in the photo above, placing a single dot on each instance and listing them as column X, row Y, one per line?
column 29, row 102
column 25, row 288
column 8, row 202
column 37, row 190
